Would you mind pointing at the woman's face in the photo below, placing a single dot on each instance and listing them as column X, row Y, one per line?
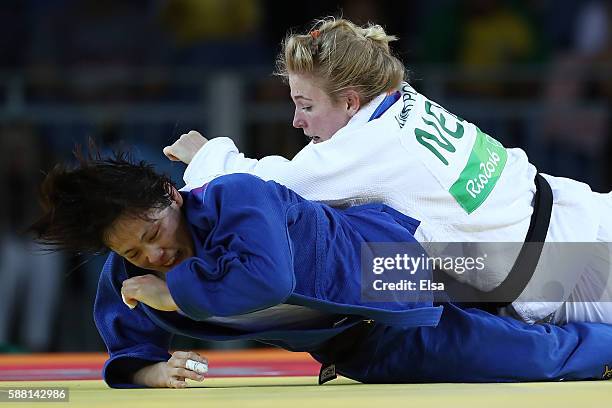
column 158, row 241
column 315, row 112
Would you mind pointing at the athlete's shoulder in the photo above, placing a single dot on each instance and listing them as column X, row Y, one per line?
column 240, row 186
column 235, row 180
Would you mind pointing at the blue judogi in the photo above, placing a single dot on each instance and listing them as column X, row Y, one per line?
column 259, row 245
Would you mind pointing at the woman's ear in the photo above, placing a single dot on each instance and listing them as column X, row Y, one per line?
column 353, row 102
column 177, row 197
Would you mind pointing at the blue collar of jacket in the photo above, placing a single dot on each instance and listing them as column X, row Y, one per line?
column 385, row 104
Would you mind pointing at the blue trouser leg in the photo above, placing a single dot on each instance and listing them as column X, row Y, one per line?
column 474, row 346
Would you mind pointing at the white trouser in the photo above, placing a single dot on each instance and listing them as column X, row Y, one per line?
column 591, row 299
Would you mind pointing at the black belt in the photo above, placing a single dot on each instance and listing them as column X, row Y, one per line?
column 341, row 348
column 524, row 267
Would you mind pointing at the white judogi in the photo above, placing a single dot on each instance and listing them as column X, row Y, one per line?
column 431, row 165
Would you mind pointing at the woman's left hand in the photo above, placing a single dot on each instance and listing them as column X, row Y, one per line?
column 150, row 290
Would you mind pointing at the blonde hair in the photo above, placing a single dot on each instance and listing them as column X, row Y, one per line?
column 340, row 56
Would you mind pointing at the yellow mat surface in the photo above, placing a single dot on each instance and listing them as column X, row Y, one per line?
column 295, row 392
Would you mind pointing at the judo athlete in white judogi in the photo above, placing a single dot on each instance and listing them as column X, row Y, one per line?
column 376, row 139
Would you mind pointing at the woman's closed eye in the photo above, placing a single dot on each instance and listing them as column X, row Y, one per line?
column 154, row 236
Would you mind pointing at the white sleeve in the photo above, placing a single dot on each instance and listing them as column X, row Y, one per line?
column 318, row 172
column 217, row 157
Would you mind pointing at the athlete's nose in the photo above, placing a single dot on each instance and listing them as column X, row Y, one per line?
column 298, row 122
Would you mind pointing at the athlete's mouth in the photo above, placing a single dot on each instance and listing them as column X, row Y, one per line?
column 173, row 260
column 170, row 262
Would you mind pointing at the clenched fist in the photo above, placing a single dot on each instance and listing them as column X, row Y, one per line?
column 150, row 290
column 185, row 147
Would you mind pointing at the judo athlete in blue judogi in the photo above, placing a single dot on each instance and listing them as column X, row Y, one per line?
column 249, row 259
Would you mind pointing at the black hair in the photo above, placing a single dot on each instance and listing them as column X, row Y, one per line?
column 80, row 202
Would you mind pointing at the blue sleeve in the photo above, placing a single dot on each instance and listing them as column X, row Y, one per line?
column 474, row 346
column 244, row 263
column 132, row 339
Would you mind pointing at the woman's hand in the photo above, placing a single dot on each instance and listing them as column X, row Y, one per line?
column 150, row 290
column 171, row 373
column 185, row 147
